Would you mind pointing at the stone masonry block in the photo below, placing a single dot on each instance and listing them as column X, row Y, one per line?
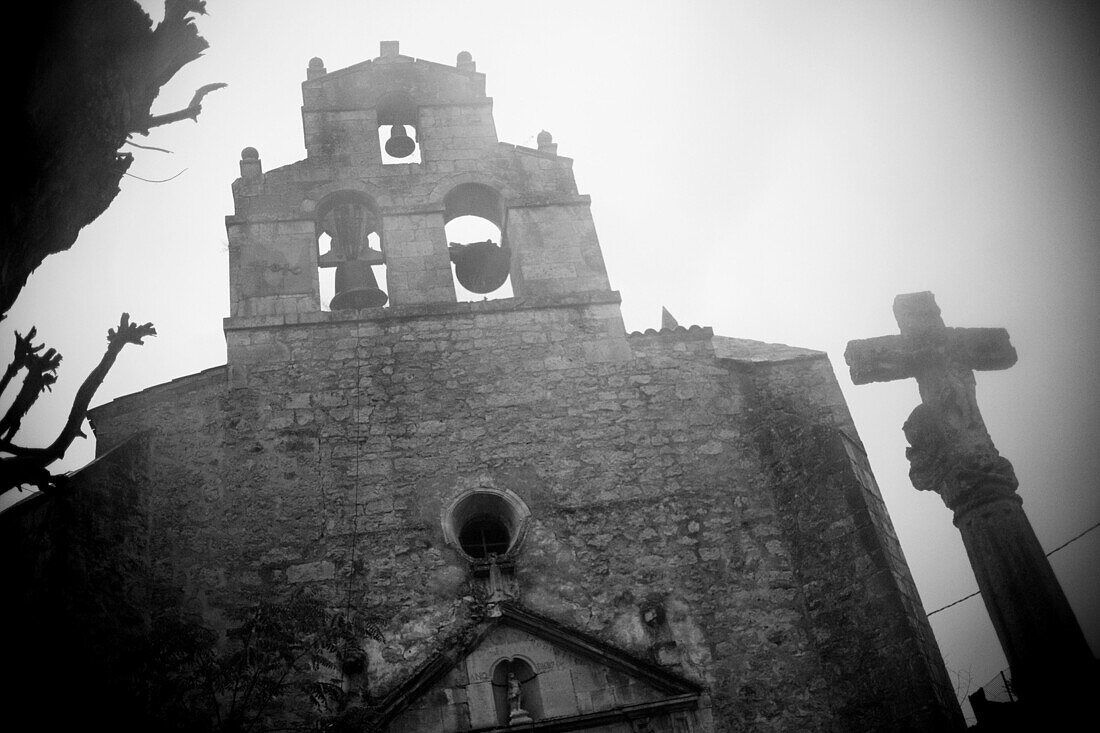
column 310, row 571
column 482, row 705
column 558, row 697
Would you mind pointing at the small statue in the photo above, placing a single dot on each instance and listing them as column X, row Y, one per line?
column 514, row 693
column 516, row 712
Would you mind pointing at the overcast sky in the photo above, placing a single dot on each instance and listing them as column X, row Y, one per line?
column 776, row 170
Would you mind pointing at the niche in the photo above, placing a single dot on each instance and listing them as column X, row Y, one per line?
column 474, row 221
column 516, row 692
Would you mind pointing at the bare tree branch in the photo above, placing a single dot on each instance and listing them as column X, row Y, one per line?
column 23, row 349
column 29, row 465
column 41, row 375
column 84, row 77
column 190, row 112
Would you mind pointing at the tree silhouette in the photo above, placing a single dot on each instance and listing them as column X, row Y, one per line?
column 23, row 465
column 85, row 78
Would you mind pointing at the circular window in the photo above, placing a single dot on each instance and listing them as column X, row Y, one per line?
column 483, row 536
column 485, row 522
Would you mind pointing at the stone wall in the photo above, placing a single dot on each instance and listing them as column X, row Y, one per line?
column 698, row 511
column 861, row 604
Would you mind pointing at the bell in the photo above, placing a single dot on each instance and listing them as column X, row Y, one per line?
column 356, row 287
column 400, row 145
column 481, row 267
column 349, row 225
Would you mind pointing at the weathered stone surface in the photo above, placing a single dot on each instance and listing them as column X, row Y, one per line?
column 721, row 490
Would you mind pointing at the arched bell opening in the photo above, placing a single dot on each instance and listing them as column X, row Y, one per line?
column 349, row 253
column 474, row 217
column 398, row 125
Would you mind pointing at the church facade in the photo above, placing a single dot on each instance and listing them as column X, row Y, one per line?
column 555, row 524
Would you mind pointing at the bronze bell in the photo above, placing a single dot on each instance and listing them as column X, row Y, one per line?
column 356, row 287
column 400, row 145
column 349, row 225
column 481, row 267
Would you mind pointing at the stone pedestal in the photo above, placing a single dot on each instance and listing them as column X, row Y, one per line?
column 519, row 716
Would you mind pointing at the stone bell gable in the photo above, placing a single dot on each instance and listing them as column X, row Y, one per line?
column 440, row 116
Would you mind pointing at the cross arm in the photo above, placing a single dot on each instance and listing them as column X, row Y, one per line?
column 984, row 349
column 881, row 359
column 887, row 358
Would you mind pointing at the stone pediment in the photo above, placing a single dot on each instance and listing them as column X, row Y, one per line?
column 362, row 86
column 525, row 672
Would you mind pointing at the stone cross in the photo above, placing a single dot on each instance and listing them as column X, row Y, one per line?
column 952, row 454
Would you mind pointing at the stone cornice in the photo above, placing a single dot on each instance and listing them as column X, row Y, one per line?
column 424, row 310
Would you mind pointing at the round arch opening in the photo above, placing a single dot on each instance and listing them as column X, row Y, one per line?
column 474, row 223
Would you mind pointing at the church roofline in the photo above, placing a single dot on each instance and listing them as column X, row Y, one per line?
column 700, row 332
column 535, row 152
column 378, row 65
column 159, row 392
column 34, row 496
column 683, row 693
column 400, row 58
column 748, row 351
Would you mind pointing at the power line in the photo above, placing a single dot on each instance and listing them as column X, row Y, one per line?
column 955, row 603
column 1059, row 547
column 150, row 180
column 1073, row 539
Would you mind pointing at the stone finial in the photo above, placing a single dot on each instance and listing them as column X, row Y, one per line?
column 389, row 49
column 316, row 68
column 667, row 321
column 251, row 168
column 546, row 143
column 465, row 62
